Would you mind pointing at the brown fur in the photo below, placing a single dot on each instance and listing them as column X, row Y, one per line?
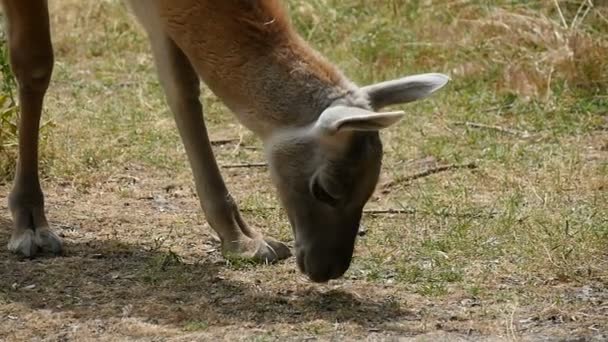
column 253, row 28
column 245, row 47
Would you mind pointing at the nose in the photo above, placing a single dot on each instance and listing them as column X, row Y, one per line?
column 320, row 269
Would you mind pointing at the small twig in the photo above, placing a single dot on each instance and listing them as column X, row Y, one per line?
column 498, row 109
column 257, row 209
column 239, row 142
column 599, row 14
column 578, row 18
column 220, row 142
column 405, row 211
column 561, row 14
column 549, row 80
column 428, row 172
column 523, row 134
column 244, row 166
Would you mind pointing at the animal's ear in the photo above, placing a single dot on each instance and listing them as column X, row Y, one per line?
column 407, row 89
column 343, row 118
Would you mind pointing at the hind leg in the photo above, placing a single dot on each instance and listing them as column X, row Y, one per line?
column 31, row 56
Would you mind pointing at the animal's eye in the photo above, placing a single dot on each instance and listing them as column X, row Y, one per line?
column 321, row 194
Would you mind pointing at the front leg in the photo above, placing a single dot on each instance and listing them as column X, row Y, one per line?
column 182, row 89
column 31, row 56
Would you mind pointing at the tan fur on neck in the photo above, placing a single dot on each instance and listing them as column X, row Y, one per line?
column 240, row 47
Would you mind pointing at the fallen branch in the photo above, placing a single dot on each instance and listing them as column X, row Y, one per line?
column 366, row 211
column 258, row 209
column 397, row 211
column 523, row 134
column 389, row 211
column 428, row 172
column 440, row 213
column 244, row 166
column 220, row 142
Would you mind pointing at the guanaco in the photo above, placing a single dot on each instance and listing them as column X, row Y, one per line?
column 319, row 129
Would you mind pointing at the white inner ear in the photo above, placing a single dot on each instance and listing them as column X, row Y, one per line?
column 342, row 118
column 371, row 122
column 406, row 89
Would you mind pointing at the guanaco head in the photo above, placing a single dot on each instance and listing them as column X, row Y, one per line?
column 326, row 172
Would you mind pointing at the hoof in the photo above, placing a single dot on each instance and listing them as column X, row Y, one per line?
column 263, row 250
column 29, row 243
column 279, row 250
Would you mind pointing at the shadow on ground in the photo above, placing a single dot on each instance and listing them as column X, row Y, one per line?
column 104, row 279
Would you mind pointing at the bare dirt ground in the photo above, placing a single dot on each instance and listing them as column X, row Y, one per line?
column 145, row 267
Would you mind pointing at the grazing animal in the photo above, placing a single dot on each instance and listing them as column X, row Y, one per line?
column 320, row 130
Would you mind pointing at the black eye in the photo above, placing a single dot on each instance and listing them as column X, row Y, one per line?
column 321, row 194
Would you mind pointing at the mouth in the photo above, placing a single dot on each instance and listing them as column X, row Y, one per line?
column 320, row 272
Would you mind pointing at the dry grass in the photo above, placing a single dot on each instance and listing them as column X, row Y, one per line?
column 8, row 113
column 512, row 249
column 532, row 53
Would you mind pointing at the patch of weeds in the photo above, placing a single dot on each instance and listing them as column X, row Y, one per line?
column 410, row 274
column 513, row 205
column 474, row 290
column 433, row 274
column 9, row 115
column 165, row 260
column 9, row 112
column 4, row 297
column 432, row 289
column 8, row 136
column 505, row 295
column 429, row 271
column 192, row 326
column 317, row 328
column 237, row 262
column 264, row 337
column 163, row 266
column 443, row 148
column 450, row 275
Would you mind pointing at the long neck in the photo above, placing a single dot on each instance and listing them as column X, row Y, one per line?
column 291, row 85
column 253, row 60
column 295, row 84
